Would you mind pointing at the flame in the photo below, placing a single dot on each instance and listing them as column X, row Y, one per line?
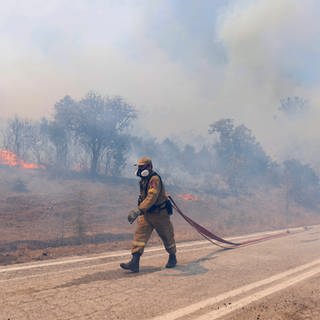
column 188, row 196
column 8, row 158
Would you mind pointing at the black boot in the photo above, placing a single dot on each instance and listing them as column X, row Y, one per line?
column 133, row 264
column 172, row 261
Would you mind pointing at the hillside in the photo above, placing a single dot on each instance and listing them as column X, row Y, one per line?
column 44, row 216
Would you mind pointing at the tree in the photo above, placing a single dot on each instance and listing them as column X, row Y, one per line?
column 114, row 158
column 242, row 159
column 40, row 149
column 302, row 184
column 59, row 137
column 96, row 123
column 26, row 139
column 294, row 106
column 17, row 137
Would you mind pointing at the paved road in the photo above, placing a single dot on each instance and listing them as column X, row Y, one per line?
column 208, row 283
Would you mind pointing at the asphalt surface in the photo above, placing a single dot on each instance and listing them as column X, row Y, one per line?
column 274, row 279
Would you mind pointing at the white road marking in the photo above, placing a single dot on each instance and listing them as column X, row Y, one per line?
column 211, row 301
column 101, row 265
column 228, row 308
column 115, row 254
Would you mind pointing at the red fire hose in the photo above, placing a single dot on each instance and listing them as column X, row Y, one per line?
column 216, row 240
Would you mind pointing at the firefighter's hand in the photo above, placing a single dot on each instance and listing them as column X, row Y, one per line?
column 133, row 215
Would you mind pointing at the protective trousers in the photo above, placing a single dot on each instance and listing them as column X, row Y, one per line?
column 160, row 221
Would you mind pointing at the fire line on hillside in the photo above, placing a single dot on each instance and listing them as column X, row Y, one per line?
column 9, row 158
column 188, row 196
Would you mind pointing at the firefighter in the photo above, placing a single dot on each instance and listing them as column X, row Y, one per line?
column 153, row 212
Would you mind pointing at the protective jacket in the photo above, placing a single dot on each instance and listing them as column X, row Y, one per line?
column 152, row 194
column 153, row 202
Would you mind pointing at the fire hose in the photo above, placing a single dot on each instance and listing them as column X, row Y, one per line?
column 218, row 241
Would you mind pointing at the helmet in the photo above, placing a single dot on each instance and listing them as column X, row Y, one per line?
column 144, row 167
column 144, row 161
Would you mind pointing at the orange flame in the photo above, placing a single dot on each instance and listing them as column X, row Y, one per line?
column 9, row 158
column 188, row 196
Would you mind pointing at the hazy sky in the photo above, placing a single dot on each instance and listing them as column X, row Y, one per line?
column 183, row 63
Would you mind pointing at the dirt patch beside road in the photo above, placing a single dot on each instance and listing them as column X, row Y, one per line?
column 300, row 302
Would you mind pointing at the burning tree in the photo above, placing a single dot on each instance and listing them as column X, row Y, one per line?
column 19, row 136
column 26, row 140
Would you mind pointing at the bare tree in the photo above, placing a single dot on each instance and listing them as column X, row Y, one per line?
column 96, row 123
column 17, row 135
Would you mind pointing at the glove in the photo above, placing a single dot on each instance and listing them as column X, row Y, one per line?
column 133, row 215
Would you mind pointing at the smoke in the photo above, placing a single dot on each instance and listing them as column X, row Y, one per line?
column 267, row 43
column 183, row 64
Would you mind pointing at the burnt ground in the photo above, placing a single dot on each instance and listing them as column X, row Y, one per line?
column 43, row 216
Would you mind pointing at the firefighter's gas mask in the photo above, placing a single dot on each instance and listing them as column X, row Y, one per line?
column 143, row 171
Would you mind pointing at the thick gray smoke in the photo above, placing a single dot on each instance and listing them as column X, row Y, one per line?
column 271, row 48
column 184, row 64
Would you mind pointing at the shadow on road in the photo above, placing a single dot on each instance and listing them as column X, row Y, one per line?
column 194, row 267
column 108, row 275
column 190, row 269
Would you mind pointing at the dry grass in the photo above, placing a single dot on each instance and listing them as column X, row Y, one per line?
column 56, row 217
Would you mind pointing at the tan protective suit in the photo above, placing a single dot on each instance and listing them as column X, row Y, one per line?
column 152, row 192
